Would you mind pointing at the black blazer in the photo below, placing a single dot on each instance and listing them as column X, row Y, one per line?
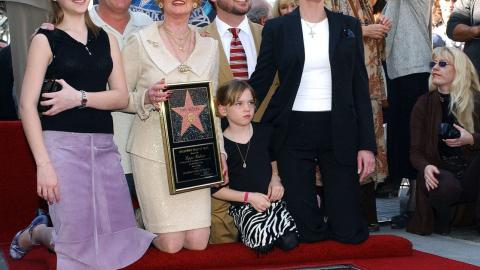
column 282, row 50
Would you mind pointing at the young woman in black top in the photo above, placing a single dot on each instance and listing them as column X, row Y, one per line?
column 254, row 190
column 78, row 165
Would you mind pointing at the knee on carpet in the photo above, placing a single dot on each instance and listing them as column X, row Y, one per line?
column 288, row 241
column 168, row 246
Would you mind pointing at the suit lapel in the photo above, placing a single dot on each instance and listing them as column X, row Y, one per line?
column 257, row 35
column 155, row 49
column 225, row 74
column 296, row 35
column 335, row 26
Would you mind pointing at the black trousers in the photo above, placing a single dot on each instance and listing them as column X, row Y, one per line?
column 308, row 143
column 403, row 93
column 452, row 190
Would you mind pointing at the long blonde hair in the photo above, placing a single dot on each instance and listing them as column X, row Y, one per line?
column 464, row 86
column 56, row 17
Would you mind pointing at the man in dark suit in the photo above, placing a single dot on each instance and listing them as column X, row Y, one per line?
column 321, row 114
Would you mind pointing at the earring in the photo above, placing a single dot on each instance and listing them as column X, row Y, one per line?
column 195, row 5
column 160, row 5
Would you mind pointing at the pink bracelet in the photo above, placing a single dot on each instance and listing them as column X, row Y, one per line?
column 245, row 198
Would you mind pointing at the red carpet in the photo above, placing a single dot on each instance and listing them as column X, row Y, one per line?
column 221, row 256
column 238, row 256
column 18, row 201
column 18, row 183
column 380, row 252
column 418, row 261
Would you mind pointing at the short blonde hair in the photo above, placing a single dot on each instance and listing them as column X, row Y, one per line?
column 464, row 86
column 276, row 7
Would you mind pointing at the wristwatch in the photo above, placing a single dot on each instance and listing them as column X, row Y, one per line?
column 84, row 100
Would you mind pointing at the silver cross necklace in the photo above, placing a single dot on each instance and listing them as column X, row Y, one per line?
column 312, row 33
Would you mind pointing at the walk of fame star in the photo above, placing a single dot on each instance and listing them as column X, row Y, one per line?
column 190, row 114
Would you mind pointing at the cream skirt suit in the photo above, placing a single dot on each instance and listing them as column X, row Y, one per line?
column 147, row 61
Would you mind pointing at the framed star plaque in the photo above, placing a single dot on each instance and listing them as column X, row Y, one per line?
column 190, row 139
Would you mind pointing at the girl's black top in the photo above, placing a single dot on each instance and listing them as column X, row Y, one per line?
column 256, row 176
column 85, row 67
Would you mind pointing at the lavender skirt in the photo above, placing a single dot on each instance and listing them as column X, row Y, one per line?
column 94, row 224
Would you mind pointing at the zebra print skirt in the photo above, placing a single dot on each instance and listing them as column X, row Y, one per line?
column 262, row 229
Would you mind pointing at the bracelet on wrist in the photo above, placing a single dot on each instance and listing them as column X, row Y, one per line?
column 83, row 103
column 245, row 197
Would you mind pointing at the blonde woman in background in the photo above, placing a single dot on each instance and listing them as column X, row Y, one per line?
column 445, row 145
column 282, row 7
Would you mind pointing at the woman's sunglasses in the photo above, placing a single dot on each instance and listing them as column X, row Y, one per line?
column 440, row 63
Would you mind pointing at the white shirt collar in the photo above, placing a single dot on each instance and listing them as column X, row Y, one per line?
column 223, row 27
column 133, row 21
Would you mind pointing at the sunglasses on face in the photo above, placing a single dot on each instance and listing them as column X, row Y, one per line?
column 440, row 63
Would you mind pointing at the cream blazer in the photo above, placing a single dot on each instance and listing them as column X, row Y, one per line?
column 147, row 61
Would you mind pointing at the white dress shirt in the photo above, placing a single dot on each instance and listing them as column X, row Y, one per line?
column 137, row 21
column 246, row 38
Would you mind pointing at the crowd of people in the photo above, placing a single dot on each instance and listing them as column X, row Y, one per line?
column 303, row 89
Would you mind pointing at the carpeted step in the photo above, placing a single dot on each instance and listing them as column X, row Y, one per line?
column 237, row 256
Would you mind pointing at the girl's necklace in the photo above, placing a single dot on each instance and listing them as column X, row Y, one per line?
column 244, row 159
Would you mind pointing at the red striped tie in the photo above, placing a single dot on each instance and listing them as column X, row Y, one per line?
column 238, row 58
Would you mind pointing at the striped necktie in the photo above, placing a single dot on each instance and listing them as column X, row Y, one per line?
column 238, row 58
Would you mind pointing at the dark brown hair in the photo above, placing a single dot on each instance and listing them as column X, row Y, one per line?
column 56, row 17
column 229, row 92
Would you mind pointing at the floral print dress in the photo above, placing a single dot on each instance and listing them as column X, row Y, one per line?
column 374, row 53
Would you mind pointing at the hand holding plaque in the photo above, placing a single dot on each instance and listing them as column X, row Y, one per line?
column 157, row 94
column 190, row 140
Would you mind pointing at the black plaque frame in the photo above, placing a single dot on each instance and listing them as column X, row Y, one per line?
column 193, row 157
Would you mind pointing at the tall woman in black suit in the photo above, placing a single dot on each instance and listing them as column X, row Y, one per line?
column 322, row 115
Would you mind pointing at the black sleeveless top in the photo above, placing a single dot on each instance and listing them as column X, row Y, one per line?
column 256, row 176
column 84, row 67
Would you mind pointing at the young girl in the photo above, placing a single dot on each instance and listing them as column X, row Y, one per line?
column 78, row 165
column 254, row 190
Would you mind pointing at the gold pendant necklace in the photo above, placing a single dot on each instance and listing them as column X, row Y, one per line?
column 171, row 33
column 181, row 41
column 244, row 159
column 182, row 68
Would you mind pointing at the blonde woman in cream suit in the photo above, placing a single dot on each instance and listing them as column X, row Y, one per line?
column 151, row 55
